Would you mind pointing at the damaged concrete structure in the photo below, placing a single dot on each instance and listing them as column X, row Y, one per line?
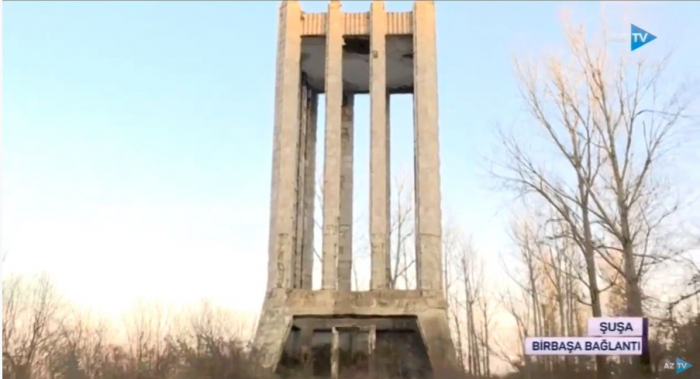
column 383, row 332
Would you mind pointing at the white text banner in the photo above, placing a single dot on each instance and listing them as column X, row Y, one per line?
column 615, row 327
column 583, row 346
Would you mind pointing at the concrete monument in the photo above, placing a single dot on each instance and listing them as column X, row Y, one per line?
column 382, row 332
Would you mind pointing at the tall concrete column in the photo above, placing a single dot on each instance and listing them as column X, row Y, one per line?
column 346, row 192
column 282, row 238
column 307, row 250
column 387, row 253
column 301, row 186
column 332, row 163
column 303, row 256
column 335, row 354
column 379, row 146
column 427, row 159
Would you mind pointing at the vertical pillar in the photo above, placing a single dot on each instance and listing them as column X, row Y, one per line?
column 346, row 192
column 283, row 210
column 371, row 348
column 379, row 146
column 387, row 253
column 301, row 186
column 307, row 250
column 335, row 354
column 303, row 257
column 331, row 171
column 427, row 160
column 306, row 339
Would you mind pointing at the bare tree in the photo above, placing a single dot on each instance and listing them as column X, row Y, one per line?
column 545, row 271
column 575, row 142
column 81, row 347
column 401, row 231
column 634, row 121
column 401, row 234
column 45, row 337
column 209, row 321
column 451, row 257
column 472, row 287
column 146, row 327
column 30, row 314
column 487, row 313
column 360, row 242
column 469, row 310
column 211, row 343
column 511, row 350
column 608, row 126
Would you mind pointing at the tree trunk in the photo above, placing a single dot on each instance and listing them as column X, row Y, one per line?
column 601, row 361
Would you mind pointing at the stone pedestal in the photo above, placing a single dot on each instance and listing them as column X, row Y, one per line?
column 420, row 315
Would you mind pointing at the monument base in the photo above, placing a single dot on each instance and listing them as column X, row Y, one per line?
column 329, row 334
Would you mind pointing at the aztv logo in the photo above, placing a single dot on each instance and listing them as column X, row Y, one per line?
column 680, row 366
column 640, row 37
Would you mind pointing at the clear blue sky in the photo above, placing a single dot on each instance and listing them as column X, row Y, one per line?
column 137, row 135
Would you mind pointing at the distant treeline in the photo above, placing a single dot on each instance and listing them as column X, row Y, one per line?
column 44, row 337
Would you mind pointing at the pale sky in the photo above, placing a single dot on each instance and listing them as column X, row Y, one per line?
column 137, row 136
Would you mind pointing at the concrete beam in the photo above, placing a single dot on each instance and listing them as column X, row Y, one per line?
column 428, row 215
column 332, row 163
column 346, row 195
column 379, row 145
column 283, row 210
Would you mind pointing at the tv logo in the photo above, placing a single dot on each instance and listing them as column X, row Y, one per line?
column 680, row 366
column 640, row 37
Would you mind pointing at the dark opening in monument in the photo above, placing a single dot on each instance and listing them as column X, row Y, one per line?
column 354, row 347
column 357, row 52
column 353, row 353
column 289, row 358
column 357, row 45
column 356, row 64
column 399, row 52
column 401, row 354
column 313, row 62
column 321, row 353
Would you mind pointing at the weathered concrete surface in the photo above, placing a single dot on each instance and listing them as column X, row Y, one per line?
column 399, row 56
column 291, row 226
column 282, row 305
column 346, row 194
column 301, row 189
column 332, row 162
column 428, row 215
column 307, row 249
column 282, row 238
column 380, row 184
column 398, row 23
